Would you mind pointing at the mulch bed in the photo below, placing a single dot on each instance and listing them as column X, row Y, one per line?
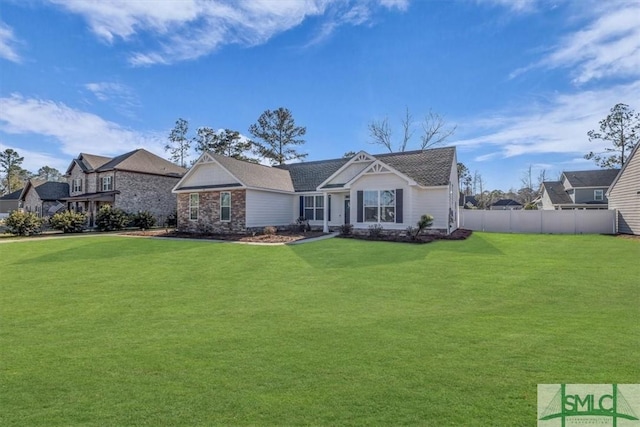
column 459, row 234
column 281, row 237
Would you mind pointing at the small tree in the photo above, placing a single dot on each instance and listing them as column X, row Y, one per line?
column 425, row 222
column 23, row 223
column 621, row 128
column 279, row 134
column 68, row 222
column 111, row 219
column 178, row 146
column 10, row 162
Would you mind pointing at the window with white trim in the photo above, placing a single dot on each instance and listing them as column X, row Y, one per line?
column 379, row 206
column 314, row 208
column 107, row 183
column 225, row 206
column 598, row 195
column 77, row 184
column 194, row 206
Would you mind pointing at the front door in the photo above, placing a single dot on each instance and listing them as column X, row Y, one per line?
column 347, row 210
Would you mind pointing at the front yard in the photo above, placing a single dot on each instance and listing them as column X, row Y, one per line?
column 129, row 331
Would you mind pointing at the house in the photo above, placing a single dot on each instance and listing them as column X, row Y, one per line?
column 225, row 195
column 10, row 202
column 506, row 204
column 624, row 194
column 577, row 190
column 44, row 198
column 467, row 202
column 134, row 181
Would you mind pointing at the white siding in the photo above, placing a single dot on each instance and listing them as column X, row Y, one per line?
column 434, row 202
column 546, row 201
column 267, row 208
column 348, row 174
column 208, row 174
column 625, row 197
column 382, row 181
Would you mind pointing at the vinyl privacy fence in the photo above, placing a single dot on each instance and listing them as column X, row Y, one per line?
column 540, row 221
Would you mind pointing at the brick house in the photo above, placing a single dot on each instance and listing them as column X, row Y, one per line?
column 134, row 181
column 44, row 198
column 224, row 195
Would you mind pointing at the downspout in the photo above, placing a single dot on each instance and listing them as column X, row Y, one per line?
column 325, row 208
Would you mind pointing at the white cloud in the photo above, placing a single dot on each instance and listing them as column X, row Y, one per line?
column 8, row 44
column 34, row 160
column 518, row 6
column 189, row 29
column 77, row 131
column 608, row 46
column 122, row 97
column 559, row 125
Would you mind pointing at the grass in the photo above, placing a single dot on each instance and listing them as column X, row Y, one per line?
column 130, row 331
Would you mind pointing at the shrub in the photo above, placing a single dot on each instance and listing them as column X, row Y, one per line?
column 144, row 220
column 425, row 222
column 23, row 223
column 172, row 220
column 303, row 224
column 111, row 219
column 68, row 222
column 375, row 231
column 346, row 229
column 270, row 230
column 412, row 232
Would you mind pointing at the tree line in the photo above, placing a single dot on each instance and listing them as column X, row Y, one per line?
column 14, row 176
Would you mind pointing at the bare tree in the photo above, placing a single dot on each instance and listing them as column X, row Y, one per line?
column 434, row 132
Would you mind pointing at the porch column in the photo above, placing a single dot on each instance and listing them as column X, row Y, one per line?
column 325, row 221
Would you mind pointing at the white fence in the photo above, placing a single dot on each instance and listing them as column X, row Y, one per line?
column 540, row 221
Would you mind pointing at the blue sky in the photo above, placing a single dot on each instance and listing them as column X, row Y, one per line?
column 523, row 80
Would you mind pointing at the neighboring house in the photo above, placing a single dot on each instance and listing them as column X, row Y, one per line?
column 577, row 190
column 44, row 198
column 222, row 194
column 506, row 204
column 10, row 202
column 624, row 194
column 135, row 181
column 468, row 202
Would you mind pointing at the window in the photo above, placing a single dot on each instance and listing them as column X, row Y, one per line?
column 107, row 183
column 598, row 195
column 77, row 184
column 314, row 208
column 194, row 206
column 225, row 206
column 379, row 206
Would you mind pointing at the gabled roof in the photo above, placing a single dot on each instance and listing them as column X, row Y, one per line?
column 307, row 176
column 506, row 202
column 47, row 190
column 88, row 162
column 556, row 192
column 429, row 168
column 592, row 178
column 255, row 175
column 142, row 161
column 12, row 196
column 631, row 155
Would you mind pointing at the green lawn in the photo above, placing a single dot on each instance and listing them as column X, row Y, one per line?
column 130, row 331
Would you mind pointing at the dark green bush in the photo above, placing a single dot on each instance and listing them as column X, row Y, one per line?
column 425, row 222
column 346, row 229
column 111, row 219
column 23, row 223
column 375, row 231
column 144, row 220
column 68, row 222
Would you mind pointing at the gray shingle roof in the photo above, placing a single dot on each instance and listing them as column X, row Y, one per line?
column 506, row 202
column 592, row 178
column 12, row 196
column 427, row 167
column 307, row 176
column 143, row 161
column 51, row 190
column 255, row 175
column 556, row 192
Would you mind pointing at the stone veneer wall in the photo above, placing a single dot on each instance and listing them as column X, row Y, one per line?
column 209, row 214
column 144, row 192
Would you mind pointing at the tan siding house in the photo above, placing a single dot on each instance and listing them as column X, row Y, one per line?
column 624, row 195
